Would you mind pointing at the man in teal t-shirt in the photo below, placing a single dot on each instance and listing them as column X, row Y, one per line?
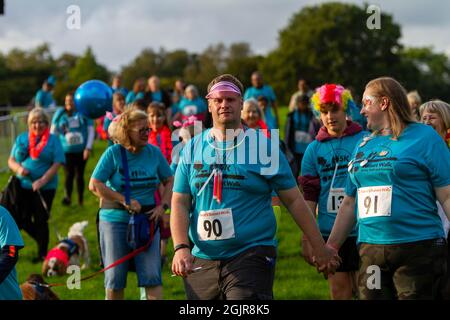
column 10, row 244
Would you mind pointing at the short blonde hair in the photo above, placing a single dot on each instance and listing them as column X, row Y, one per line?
column 441, row 108
column 37, row 113
column 119, row 130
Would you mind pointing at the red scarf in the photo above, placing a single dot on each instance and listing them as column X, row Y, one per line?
column 36, row 149
column 162, row 139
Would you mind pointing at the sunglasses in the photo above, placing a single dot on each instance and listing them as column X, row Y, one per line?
column 143, row 131
column 368, row 101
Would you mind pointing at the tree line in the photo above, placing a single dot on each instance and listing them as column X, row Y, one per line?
column 321, row 43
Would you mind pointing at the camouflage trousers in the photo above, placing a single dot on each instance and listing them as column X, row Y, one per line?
column 402, row 271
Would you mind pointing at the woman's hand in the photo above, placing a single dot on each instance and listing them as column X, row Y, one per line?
column 22, row 171
column 38, row 184
column 157, row 213
column 134, row 206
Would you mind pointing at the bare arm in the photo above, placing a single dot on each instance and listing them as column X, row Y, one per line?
column 345, row 220
column 179, row 225
column 307, row 250
column 443, row 196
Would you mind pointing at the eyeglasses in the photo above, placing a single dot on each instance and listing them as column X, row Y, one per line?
column 143, row 131
column 367, row 101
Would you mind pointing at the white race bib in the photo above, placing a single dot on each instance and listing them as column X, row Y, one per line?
column 302, row 137
column 215, row 225
column 74, row 138
column 74, row 122
column 374, row 201
column 334, row 200
column 190, row 110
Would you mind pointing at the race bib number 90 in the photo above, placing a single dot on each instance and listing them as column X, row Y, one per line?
column 215, row 225
column 374, row 201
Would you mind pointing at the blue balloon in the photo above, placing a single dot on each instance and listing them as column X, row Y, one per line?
column 93, row 98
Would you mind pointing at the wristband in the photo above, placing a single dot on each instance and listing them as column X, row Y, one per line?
column 181, row 246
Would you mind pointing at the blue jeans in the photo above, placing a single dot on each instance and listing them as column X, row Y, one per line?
column 113, row 245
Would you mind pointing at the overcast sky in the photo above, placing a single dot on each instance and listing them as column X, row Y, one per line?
column 118, row 30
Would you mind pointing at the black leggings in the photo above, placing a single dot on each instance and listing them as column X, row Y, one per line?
column 74, row 167
column 36, row 220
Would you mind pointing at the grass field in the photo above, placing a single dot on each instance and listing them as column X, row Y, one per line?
column 294, row 278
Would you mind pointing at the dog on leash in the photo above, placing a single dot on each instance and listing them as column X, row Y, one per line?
column 68, row 252
column 35, row 289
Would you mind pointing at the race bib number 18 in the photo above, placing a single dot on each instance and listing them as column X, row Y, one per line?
column 374, row 201
column 215, row 225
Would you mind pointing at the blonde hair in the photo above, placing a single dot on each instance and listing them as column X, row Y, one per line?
column 441, row 108
column 119, row 130
column 399, row 113
column 37, row 112
column 414, row 97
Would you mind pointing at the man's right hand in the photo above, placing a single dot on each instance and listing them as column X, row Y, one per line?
column 182, row 262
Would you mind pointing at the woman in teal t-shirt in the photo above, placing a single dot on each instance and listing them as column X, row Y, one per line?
column 147, row 168
column 395, row 177
column 35, row 158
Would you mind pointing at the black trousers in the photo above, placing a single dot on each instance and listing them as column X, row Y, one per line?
column 36, row 219
column 74, row 169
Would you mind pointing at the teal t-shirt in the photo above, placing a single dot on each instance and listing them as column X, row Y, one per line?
column 301, row 127
column 9, row 235
column 265, row 91
column 189, row 107
column 320, row 159
column 244, row 218
column 146, row 170
column 393, row 183
column 131, row 97
column 44, row 99
column 72, row 130
column 52, row 153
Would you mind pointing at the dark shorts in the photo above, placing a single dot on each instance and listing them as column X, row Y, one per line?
column 402, row 271
column 349, row 255
column 247, row 276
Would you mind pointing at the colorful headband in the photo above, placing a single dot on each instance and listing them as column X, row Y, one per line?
column 186, row 123
column 223, row 86
column 332, row 94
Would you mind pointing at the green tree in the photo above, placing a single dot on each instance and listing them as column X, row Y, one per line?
column 428, row 72
column 331, row 43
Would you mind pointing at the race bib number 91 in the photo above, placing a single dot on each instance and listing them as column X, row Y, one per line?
column 215, row 225
column 374, row 201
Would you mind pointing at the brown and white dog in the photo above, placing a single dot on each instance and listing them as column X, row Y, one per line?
column 35, row 289
column 68, row 252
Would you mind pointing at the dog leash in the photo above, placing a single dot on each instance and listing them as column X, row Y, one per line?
column 112, row 265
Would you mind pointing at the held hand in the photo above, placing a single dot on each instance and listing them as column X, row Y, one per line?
column 307, row 251
column 327, row 261
column 182, row 262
